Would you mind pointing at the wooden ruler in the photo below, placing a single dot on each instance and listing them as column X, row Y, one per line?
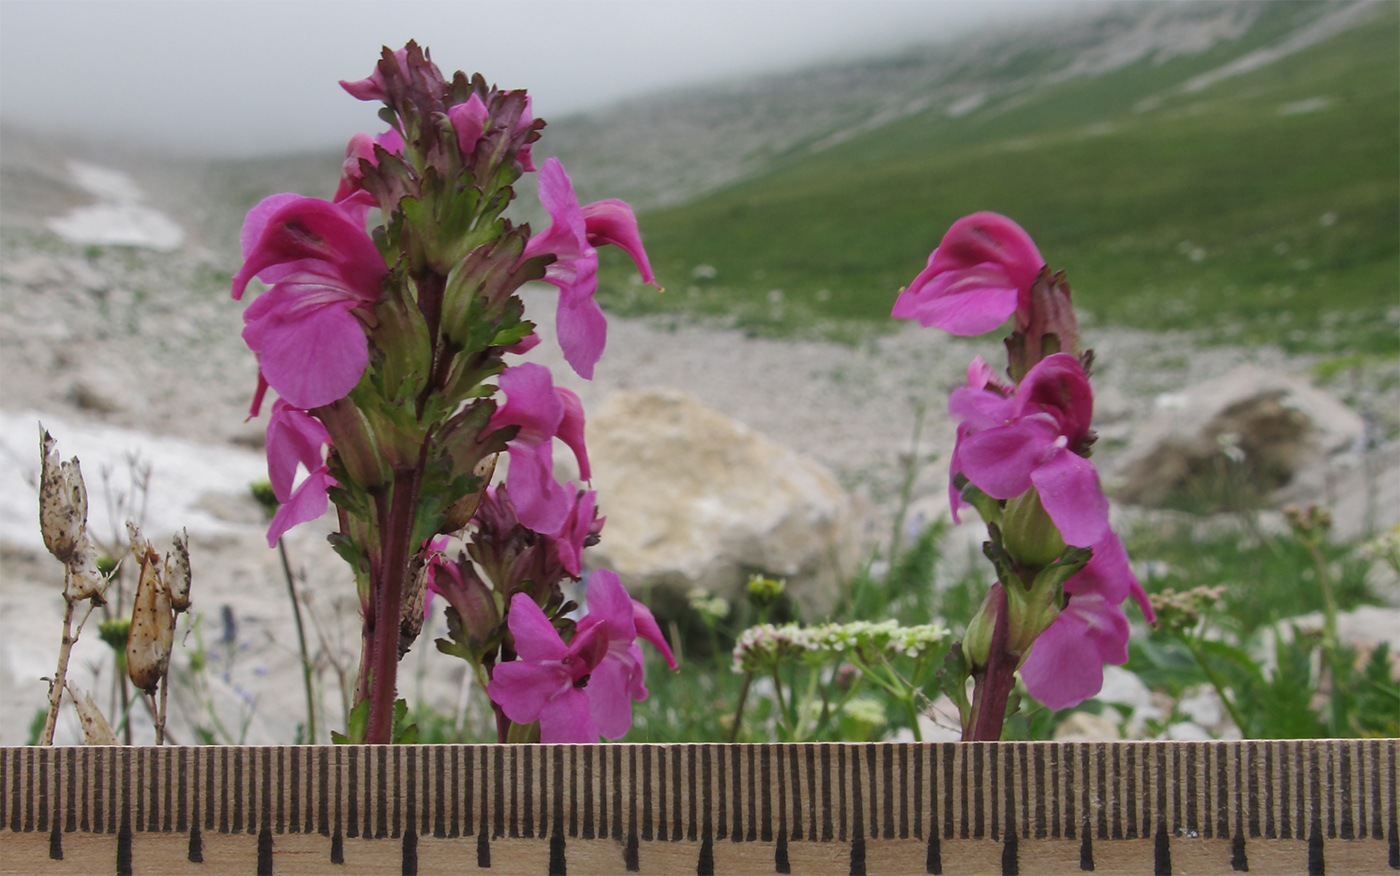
column 1308, row 806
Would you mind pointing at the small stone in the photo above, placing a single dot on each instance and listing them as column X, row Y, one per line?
column 1086, row 727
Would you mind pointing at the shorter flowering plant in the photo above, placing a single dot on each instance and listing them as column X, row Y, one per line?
column 1022, row 460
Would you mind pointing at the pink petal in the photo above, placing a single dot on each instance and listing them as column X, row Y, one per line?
column 1058, row 385
column 583, row 333
column 1107, row 573
column 469, row 121
column 608, row 697
column 1000, row 461
column 1070, row 491
column 650, row 631
column 612, row 222
column 312, row 360
column 308, row 502
column 294, row 438
column 531, row 403
column 989, row 237
column 536, row 639
column 525, row 690
column 1065, row 665
column 568, row 719
column 964, row 302
column 609, row 605
column 308, row 228
column 571, row 429
column 542, row 504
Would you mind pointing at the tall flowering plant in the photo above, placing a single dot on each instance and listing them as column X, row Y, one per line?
column 1021, row 460
column 387, row 350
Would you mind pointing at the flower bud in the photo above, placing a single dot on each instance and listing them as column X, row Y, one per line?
column 1028, row 534
column 977, row 640
column 152, row 633
column 62, row 501
column 177, row 572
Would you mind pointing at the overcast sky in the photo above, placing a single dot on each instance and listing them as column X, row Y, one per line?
column 248, row 77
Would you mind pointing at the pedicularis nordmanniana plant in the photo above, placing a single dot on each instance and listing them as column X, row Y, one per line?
column 388, row 353
column 1022, row 461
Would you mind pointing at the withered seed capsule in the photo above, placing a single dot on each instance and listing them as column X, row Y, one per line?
column 62, row 501
column 152, row 635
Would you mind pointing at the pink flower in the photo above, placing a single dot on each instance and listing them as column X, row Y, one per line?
column 976, row 277
column 1065, row 665
column 469, row 122
column 361, row 147
column 546, row 683
column 1034, row 439
column 585, row 688
column 617, row 681
column 296, row 439
column 322, row 266
column 543, row 412
column 572, row 238
column 375, row 87
column 578, row 528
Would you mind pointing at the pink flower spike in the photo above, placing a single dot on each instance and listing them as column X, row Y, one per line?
column 975, row 278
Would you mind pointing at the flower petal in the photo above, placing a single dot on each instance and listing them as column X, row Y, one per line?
column 1065, row 665
column 1070, row 491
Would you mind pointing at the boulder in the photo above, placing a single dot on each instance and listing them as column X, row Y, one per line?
column 1242, row 438
column 695, row 499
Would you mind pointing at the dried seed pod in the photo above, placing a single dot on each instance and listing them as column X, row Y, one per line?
column 96, row 730
column 62, row 500
column 461, row 512
column 412, row 606
column 177, row 572
column 152, row 632
column 85, row 580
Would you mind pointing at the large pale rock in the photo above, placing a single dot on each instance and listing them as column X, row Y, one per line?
column 1262, row 430
column 695, row 499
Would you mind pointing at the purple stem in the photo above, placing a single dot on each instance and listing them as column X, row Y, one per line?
column 993, row 685
column 396, row 531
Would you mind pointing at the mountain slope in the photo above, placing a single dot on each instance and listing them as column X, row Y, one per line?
column 1249, row 189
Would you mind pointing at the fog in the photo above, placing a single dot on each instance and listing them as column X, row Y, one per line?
column 243, row 78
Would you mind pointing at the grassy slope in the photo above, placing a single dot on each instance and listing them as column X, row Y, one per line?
column 1206, row 213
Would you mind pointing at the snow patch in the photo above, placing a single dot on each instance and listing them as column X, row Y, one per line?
column 182, row 474
column 118, row 218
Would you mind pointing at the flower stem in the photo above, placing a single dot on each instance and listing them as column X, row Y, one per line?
column 301, row 641
column 396, row 531
column 60, row 676
column 993, row 683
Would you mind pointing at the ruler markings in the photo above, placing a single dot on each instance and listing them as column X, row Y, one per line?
column 1015, row 793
